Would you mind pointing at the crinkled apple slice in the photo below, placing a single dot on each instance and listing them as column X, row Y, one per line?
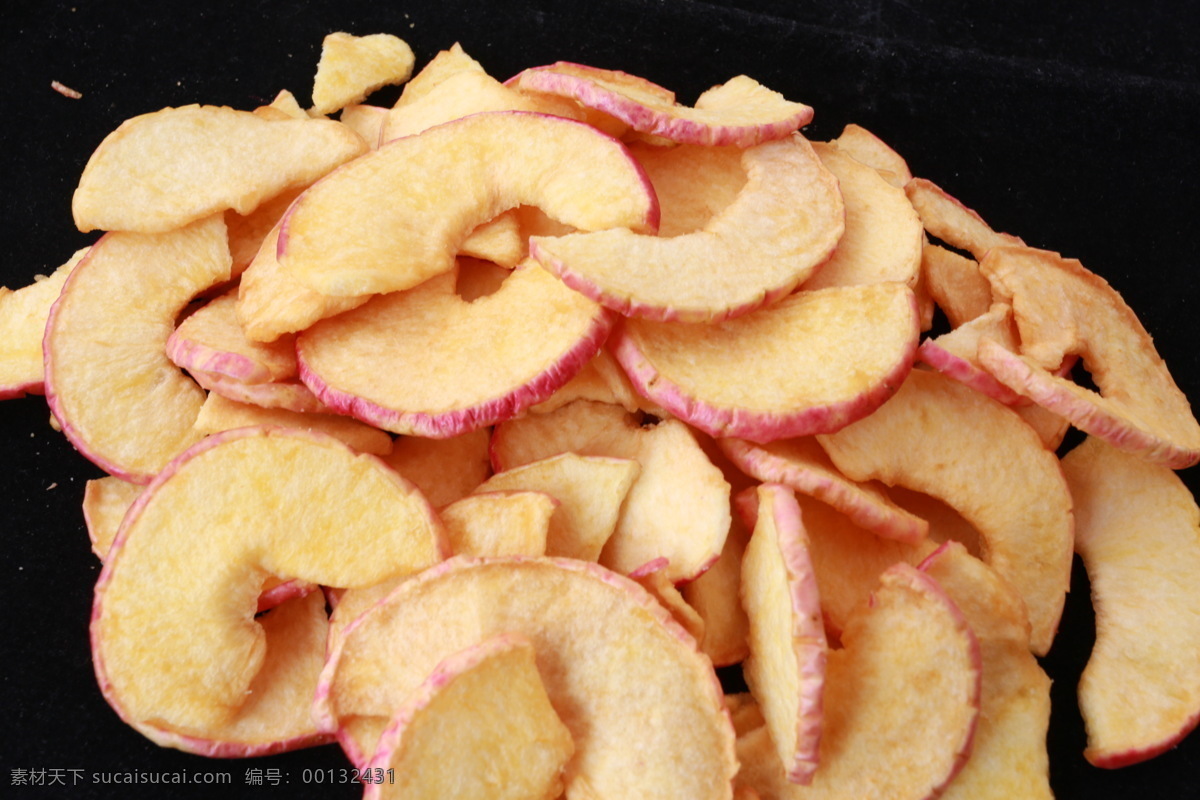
column 23, row 315
column 388, row 362
column 947, row 440
column 222, row 414
column 289, row 395
column 1061, row 308
column 679, row 506
column 1138, row 531
column 480, row 727
column 590, row 491
column 597, row 676
column 136, row 181
column 883, row 236
column 949, row 220
column 955, row 353
column 1009, row 757
column 119, row 399
column 714, row 596
column 786, row 667
column 803, row 465
column 864, row 146
column 351, row 67
column 958, row 287
column 499, row 523
column 174, row 641
column 395, row 217
column 444, row 470
column 740, row 112
column 782, row 225
column 854, row 346
column 212, row 340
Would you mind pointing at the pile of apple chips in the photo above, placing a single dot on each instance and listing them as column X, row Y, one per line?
column 559, row 394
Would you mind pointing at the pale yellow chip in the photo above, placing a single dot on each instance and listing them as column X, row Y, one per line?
column 352, row 67
column 23, row 315
column 499, row 523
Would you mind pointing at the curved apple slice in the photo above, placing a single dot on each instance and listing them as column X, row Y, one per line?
column 235, row 508
column 1139, row 535
column 395, row 217
column 212, row 340
column 653, row 578
column 693, row 183
column 683, row 750
column 105, row 501
column 740, row 112
column 288, row 395
column 782, row 225
column 136, row 181
column 857, row 345
column 949, row 220
column 1061, row 308
column 947, row 440
column 714, row 596
column 955, row 353
column 109, row 383
column 386, row 362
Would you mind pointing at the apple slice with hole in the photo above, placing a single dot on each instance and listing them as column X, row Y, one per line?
column 365, row 230
column 677, row 509
column 212, row 340
column 1139, row 535
column 174, row 641
column 109, row 383
column 858, row 344
column 222, row 414
column 444, row 470
column 955, row 353
column 136, row 181
column 949, row 220
column 1062, row 308
column 351, row 67
column 786, row 666
column 23, row 315
column 499, row 523
column 947, row 440
column 867, row 148
column 1009, row 757
column 386, row 363
column 596, row 676
column 781, row 226
column 958, row 287
column 480, row 727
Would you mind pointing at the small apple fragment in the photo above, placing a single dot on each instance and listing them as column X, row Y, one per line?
column 958, row 287
column 786, row 667
column 947, row 440
column 1138, row 531
column 864, row 146
column 136, row 181
column 222, row 414
column 105, row 501
column 119, row 399
column 354, row 233
column 365, row 120
column 444, row 470
column 284, row 106
column 859, row 343
column 714, row 596
column 480, row 727
column 781, row 226
column 23, row 315
column 596, row 676
column 949, row 220
column 693, row 183
column 1061, row 308
column 653, row 578
column 499, row 523
column 386, row 363
column 212, row 340
column 351, row 67
column 955, row 353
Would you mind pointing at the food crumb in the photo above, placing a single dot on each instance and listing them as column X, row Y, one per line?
column 52, row 486
column 65, row 91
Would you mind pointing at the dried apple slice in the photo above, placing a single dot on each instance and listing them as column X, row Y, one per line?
column 222, row 414
column 947, row 440
column 105, row 501
column 23, row 315
column 136, row 181
column 958, row 287
column 386, row 363
column 119, row 399
column 677, row 509
column 1139, row 535
column 1009, row 756
column 693, row 183
column 1061, row 308
column 356, row 233
column 782, row 225
column 597, row 676
column 653, row 578
column 786, row 667
column 480, row 727
column 499, row 523
column 177, row 596
column 864, row 146
column 351, row 67
column 289, row 395
column 949, row 220
column 714, row 596
column 284, row 106
column 212, row 340
column 444, row 470
column 954, row 353
column 365, row 120
column 248, row 233
column 602, row 380
column 858, row 344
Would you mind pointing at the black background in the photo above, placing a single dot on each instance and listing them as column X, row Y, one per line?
column 1073, row 127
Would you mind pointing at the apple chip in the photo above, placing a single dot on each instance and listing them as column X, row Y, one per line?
column 352, row 67
column 23, row 315
column 653, row 578
column 693, row 183
column 222, row 414
column 365, row 120
column 954, row 353
column 444, row 470
column 212, row 340
column 714, row 596
column 499, row 523
column 864, row 146
column 105, row 501
column 248, row 233
column 949, row 220
column 289, row 395
column 602, row 380
column 958, row 287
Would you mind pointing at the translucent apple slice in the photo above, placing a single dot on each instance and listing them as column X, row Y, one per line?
column 858, row 343
column 119, row 399
column 883, row 236
column 1009, row 757
column 786, row 667
column 782, row 225
column 1061, row 308
column 212, row 340
column 677, row 509
column 947, row 440
column 387, row 363
column 958, row 287
column 864, row 146
column 480, row 727
column 596, row 676
column 351, row 67
column 174, row 641
column 499, row 523
column 23, row 315
column 365, row 230
column 955, row 353
column 740, row 112
column 590, row 491
column 136, row 180
column 803, row 465
column 949, row 220
column 222, row 414
column 715, row 596
column 444, row 470
column 1139, row 536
